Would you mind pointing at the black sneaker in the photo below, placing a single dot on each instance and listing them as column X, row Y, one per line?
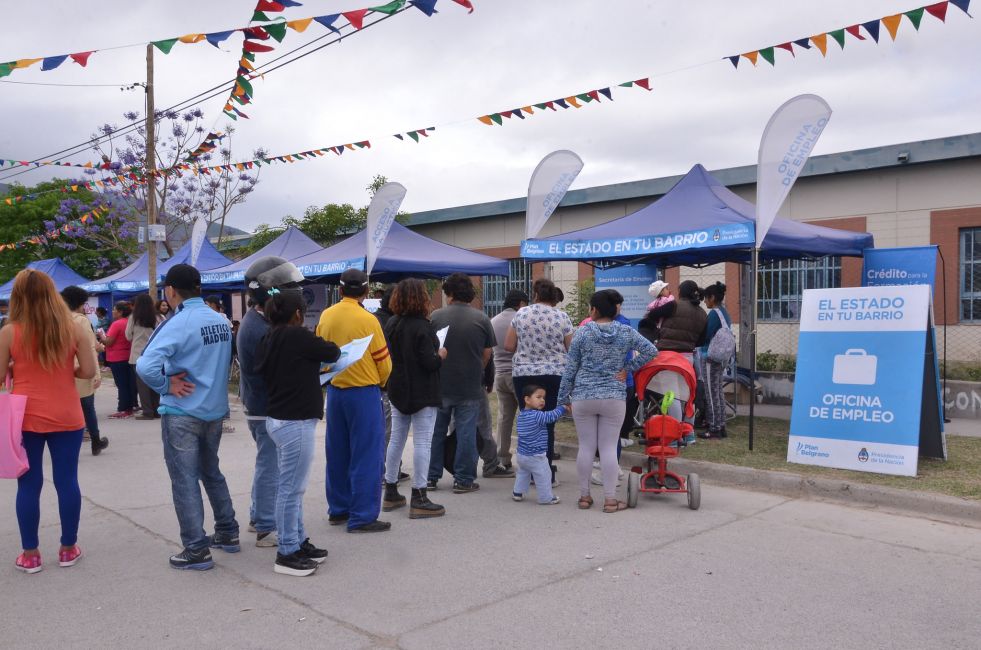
column 374, row 527
column 337, row 520
column 226, row 542
column 403, row 477
column 499, row 472
column 463, row 488
column 188, row 560
column 311, row 552
column 294, row 564
column 99, row 445
column 432, row 485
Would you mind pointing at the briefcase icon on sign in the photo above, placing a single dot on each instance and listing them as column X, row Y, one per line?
column 856, row 366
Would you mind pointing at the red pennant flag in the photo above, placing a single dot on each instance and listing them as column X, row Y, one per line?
column 853, row 30
column 257, row 33
column 787, row 46
column 252, row 46
column 594, row 94
column 465, row 3
column 269, row 5
column 938, row 11
column 356, row 17
column 81, row 58
column 506, row 114
column 643, row 83
column 550, row 105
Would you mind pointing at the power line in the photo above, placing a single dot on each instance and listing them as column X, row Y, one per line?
column 200, row 97
column 40, row 83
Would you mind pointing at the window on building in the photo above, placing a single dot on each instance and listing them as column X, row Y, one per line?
column 970, row 274
column 496, row 287
column 781, row 285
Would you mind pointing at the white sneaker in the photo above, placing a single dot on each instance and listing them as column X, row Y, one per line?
column 596, row 464
column 597, row 478
column 627, row 442
column 266, row 540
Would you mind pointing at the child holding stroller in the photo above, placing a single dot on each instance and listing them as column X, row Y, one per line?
column 533, row 445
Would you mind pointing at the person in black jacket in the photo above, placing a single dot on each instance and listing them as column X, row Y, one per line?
column 289, row 360
column 413, row 389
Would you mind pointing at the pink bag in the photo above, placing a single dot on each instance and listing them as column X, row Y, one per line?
column 13, row 456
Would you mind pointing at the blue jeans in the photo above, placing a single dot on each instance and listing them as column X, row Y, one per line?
column 63, row 447
column 422, row 422
column 464, row 414
column 355, row 447
column 91, row 419
column 294, row 450
column 538, row 467
column 263, row 509
column 190, row 447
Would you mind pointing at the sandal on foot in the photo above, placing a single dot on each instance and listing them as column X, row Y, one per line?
column 585, row 503
column 612, row 505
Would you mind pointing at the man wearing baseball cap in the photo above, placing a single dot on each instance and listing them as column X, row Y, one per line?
column 355, row 422
column 187, row 361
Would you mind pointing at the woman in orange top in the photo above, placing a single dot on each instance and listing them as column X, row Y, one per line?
column 41, row 344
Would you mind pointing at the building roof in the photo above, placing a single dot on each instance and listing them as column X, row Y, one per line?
column 896, row 155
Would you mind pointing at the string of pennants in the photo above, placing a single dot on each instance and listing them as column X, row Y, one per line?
column 276, row 30
column 562, row 102
column 872, row 28
column 90, row 186
column 44, row 238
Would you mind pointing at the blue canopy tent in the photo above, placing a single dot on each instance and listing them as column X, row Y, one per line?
column 292, row 244
column 61, row 273
column 405, row 254
column 698, row 222
column 135, row 277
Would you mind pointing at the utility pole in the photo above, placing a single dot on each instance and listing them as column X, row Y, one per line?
column 149, row 171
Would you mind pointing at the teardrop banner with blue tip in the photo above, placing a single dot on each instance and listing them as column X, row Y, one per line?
column 866, row 394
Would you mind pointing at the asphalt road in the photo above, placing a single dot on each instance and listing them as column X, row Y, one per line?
column 747, row 570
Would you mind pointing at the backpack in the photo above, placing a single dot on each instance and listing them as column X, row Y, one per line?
column 723, row 344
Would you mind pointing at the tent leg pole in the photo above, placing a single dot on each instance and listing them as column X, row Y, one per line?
column 752, row 346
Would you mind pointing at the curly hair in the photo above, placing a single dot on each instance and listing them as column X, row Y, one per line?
column 459, row 287
column 410, row 298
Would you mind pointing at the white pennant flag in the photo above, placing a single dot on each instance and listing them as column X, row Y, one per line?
column 381, row 213
column 787, row 142
column 549, row 183
column 197, row 239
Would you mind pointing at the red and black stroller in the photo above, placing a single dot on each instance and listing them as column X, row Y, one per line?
column 666, row 389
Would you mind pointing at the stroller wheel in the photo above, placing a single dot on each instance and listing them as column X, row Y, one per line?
column 633, row 489
column 694, row 492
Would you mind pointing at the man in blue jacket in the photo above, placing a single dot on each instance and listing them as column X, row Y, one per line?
column 187, row 361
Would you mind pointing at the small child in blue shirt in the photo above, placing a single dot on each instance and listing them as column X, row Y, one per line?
column 533, row 444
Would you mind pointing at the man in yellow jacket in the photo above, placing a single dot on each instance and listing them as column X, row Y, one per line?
column 355, row 421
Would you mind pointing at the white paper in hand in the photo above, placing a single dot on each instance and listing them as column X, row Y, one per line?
column 441, row 336
column 351, row 353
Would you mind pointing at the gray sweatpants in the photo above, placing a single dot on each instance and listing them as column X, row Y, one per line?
column 598, row 424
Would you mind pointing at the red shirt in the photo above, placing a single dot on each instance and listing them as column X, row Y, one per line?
column 120, row 348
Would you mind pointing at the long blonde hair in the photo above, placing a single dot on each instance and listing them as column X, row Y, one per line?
column 44, row 318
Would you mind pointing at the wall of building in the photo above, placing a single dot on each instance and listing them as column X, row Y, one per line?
column 909, row 205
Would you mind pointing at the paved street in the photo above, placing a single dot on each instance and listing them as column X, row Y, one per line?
column 747, row 570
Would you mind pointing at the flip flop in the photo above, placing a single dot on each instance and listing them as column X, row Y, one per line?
column 616, row 506
column 585, row 503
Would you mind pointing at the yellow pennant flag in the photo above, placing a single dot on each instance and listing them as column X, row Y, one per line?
column 299, row 25
column 892, row 24
column 350, row 146
column 191, row 38
column 100, row 184
column 88, row 164
column 74, row 188
column 483, row 118
column 821, row 42
column 752, row 56
column 245, row 63
column 572, row 100
column 25, row 63
column 528, row 109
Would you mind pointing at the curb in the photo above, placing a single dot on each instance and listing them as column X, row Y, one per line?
column 932, row 506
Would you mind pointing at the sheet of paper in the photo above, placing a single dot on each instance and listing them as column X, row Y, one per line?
column 441, row 336
column 351, row 353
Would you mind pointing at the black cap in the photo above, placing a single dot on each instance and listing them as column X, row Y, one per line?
column 184, row 277
column 354, row 279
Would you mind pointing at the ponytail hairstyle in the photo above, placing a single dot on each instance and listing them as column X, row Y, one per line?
column 44, row 318
column 688, row 290
column 603, row 302
column 717, row 291
column 544, row 290
column 282, row 307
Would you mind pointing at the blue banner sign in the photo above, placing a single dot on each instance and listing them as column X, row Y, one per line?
column 222, row 278
column 865, row 370
column 332, row 268
column 898, row 266
column 632, row 281
column 557, row 249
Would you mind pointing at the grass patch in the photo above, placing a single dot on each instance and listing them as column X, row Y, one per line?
column 960, row 476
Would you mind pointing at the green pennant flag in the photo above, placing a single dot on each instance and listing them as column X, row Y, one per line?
column 276, row 30
column 584, row 97
column 626, row 84
column 767, row 53
column 915, row 16
column 250, row 56
column 244, row 83
column 259, row 17
column 839, row 35
column 5, row 69
column 390, row 8
column 165, row 46
column 239, row 100
column 496, row 117
column 413, row 135
column 541, row 107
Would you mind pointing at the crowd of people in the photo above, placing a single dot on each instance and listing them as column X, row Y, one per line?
column 407, row 368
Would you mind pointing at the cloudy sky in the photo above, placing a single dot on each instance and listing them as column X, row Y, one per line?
column 412, row 72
